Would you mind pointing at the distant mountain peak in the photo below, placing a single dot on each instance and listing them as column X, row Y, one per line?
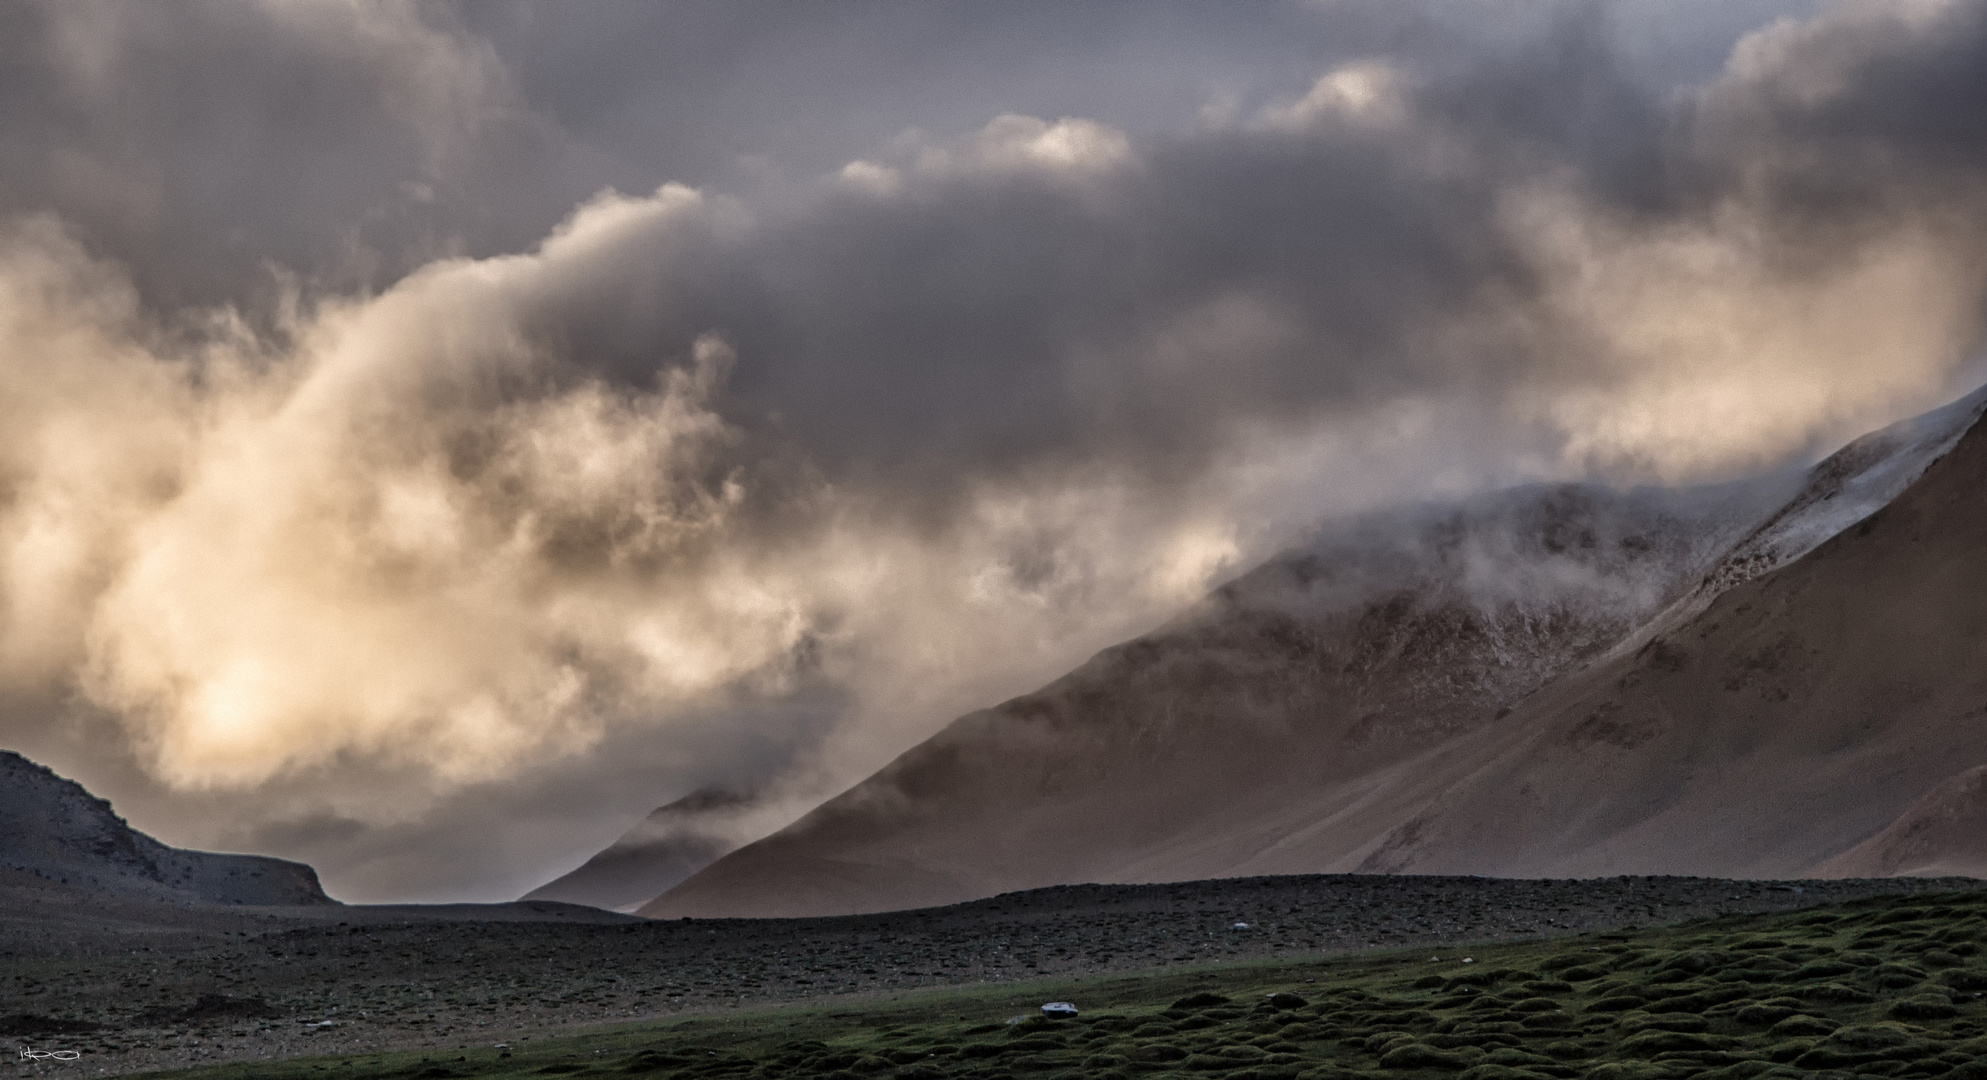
column 675, row 841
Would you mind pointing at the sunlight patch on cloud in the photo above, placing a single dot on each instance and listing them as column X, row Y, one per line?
column 412, row 532
column 1368, row 92
column 1707, row 354
column 1070, row 146
column 370, row 543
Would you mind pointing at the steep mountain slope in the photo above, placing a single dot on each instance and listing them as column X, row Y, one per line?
column 1316, row 714
column 59, row 831
column 662, row 849
column 1853, row 483
column 1799, row 715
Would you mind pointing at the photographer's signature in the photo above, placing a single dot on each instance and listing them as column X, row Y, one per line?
column 31, row 1054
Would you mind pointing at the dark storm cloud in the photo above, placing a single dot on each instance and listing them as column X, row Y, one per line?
column 200, row 142
column 993, row 315
column 376, row 475
column 1851, row 123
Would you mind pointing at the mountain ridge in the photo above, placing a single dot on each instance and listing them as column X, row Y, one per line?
column 1356, row 651
column 1851, row 668
column 58, row 830
column 986, row 804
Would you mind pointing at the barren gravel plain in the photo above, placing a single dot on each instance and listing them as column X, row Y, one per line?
column 136, row 986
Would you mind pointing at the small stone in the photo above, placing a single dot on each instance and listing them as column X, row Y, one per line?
column 1059, row 1010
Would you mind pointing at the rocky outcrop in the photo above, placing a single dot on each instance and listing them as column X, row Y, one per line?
column 59, row 831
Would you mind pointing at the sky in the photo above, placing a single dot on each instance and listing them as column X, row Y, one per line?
column 434, row 435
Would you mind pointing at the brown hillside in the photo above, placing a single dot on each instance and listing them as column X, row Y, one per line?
column 1944, row 833
column 1202, row 749
column 1457, row 703
column 1796, row 717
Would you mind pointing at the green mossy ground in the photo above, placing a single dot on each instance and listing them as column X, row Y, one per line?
column 1883, row 988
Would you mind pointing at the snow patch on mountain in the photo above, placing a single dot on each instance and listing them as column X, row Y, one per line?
column 1835, row 495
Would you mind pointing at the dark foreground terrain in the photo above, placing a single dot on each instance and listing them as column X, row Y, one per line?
column 133, row 988
column 1887, row 987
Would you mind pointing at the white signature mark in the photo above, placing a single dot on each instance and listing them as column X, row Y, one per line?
column 31, row 1054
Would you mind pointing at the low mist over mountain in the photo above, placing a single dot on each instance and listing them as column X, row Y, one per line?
column 669, row 845
column 1746, row 680
column 1797, row 715
column 1380, row 636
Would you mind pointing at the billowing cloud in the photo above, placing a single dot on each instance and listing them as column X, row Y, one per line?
column 412, row 529
column 375, row 470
